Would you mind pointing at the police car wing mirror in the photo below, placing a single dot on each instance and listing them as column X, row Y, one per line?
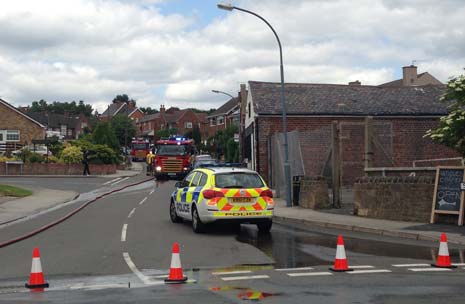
column 179, row 184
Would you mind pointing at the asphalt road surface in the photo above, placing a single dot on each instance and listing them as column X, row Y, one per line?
column 118, row 250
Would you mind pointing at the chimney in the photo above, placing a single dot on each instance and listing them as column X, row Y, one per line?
column 162, row 109
column 409, row 75
column 355, row 83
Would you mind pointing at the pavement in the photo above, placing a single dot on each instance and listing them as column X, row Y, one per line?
column 41, row 199
column 328, row 219
column 12, row 209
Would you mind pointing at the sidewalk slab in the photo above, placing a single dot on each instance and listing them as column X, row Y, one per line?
column 400, row 229
column 41, row 199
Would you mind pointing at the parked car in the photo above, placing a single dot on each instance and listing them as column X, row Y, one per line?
column 39, row 149
column 222, row 194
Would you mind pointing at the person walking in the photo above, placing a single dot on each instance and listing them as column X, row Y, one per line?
column 85, row 162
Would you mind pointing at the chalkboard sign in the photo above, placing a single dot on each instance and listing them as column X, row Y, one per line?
column 448, row 197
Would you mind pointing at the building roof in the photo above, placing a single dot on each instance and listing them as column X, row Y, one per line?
column 332, row 99
column 149, row 117
column 113, row 109
column 20, row 113
column 53, row 120
column 399, row 82
column 225, row 108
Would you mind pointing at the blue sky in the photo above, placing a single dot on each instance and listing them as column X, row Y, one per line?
column 174, row 52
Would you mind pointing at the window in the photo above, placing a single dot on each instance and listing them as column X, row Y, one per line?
column 220, row 120
column 12, row 135
column 212, row 122
column 238, row 180
column 188, row 125
column 63, row 129
column 248, row 110
column 203, row 180
column 196, row 180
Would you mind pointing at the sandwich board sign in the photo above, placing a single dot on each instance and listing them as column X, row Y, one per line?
column 448, row 197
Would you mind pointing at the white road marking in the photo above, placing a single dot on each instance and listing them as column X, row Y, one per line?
column 231, row 272
column 113, row 180
column 411, row 265
column 429, row 269
column 142, row 201
column 294, row 269
column 245, row 278
column 115, row 183
column 139, row 274
column 308, row 274
column 97, row 287
column 132, row 212
column 163, row 276
column 361, row 267
column 151, row 192
column 123, row 233
column 458, row 264
column 369, row 271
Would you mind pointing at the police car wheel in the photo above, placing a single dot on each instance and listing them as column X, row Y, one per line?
column 264, row 227
column 197, row 224
column 173, row 215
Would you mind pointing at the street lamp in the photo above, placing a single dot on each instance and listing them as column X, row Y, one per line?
column 287, row 171
column 221, row 92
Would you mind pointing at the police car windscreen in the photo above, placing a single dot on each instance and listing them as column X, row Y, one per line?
column 238, row 180
column 172, row 150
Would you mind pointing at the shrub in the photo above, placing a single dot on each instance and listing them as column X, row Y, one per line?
column 35, row 158
column 53, row 159
column 71, row 155
column 102, row 154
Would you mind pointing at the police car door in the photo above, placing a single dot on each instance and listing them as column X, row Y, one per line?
column 183, row 206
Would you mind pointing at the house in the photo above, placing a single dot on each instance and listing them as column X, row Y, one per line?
column 399, row 117
column 66, row 125
column 16, row 128
column 173, row 118
column 410, row 77
column 224, row 116
column 121, row 108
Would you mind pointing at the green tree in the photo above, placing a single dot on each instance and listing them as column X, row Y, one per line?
column 451, row 128
column 123, row 98
column 166, row 132
column 148, row 110
column 124, row 129
column 104, row 135
column 225, row 144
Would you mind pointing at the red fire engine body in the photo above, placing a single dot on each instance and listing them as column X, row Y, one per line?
column 139, row 149
column 173, row 157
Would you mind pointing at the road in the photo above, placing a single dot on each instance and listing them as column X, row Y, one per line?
column 118, row 249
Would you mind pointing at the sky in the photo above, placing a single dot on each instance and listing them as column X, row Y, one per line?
column 175, row 52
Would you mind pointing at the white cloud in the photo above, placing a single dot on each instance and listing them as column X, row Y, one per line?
column 94, row 50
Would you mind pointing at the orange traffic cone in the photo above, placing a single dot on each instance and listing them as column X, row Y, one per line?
column 443, row 260
column 36, row 279
column 176, row 276
column 340, row 263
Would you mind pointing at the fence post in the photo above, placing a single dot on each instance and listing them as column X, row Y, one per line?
column 336, row 165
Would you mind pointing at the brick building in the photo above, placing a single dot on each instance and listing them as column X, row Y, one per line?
column 17, row 128
column 121, row 108
column 400, row 116
column 67, row 125
column 183, row 121
column 225, row 116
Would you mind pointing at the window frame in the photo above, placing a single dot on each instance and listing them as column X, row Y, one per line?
column 12, row 132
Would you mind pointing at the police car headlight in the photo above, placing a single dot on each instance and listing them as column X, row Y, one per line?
column 158, row 168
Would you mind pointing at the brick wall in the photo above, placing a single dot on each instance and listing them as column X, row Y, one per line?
column 399, row 142
column 394, row 198
column 11, row 120
column 57, row 169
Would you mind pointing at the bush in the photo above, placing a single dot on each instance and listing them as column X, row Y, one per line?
column 71, row 155
column 53, row 159
column 102, row 154
column 35, row 158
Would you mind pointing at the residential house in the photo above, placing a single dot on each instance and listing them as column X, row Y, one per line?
column 399, row 117
column 66, row 126
column 173, row 118
column 410, row 77
column 16, row 128
column 122, row 108
column 224, row 116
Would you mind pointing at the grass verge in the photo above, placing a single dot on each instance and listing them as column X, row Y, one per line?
column 6, row 190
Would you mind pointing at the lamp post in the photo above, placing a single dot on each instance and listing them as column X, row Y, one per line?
column 287, row 171
column 221, row 92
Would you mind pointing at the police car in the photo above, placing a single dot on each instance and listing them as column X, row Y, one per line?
column 222, row 194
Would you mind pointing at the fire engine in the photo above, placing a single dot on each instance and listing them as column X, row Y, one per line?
column 139, row 149
column 173, row 157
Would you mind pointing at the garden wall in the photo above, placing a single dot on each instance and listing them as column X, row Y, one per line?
column 394, row 198
column 56, row 169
